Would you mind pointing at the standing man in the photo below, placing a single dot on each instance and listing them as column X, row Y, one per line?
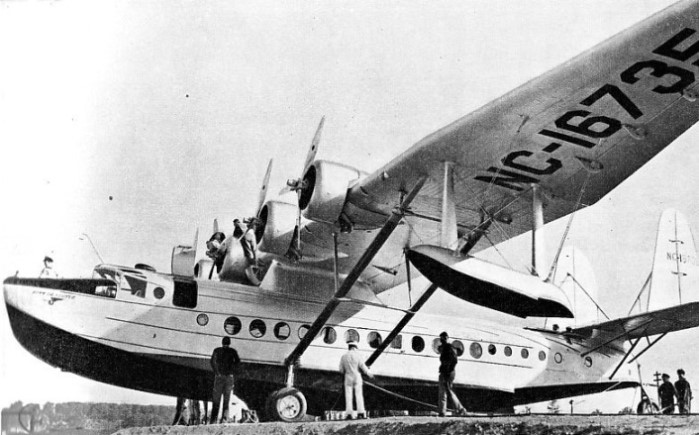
column 224, row 361
column 667, row 394
column 684, row 393
column 249, row 243
column 239, row 230
column 47, row 271
column 352, row 366
column 447, row 372
column 216, row 250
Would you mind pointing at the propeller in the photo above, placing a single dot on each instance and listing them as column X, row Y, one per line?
column 297, row 185
column 263, row 189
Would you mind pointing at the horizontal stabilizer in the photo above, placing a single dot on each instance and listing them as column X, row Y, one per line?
column 490, row 285
column 647, row 324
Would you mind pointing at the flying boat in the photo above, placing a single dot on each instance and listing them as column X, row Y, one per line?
column 543, row 151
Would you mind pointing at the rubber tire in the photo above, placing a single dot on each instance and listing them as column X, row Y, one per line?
column 653, row 408
column 273, row 400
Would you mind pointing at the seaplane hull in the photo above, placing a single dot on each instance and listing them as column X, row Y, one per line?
column 150, row 345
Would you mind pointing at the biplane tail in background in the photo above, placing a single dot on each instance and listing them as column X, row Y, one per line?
column 668, row 301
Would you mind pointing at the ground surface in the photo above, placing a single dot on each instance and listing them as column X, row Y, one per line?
column 502, row 425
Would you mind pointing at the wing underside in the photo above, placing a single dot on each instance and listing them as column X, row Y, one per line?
column 577, row 132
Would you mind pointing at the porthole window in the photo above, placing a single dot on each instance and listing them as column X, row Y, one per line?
column 558, row 358
column 158, row 292
column 588, row 361
column 232, row 325
column 397, row 342
column 525, row 353
column 542, row 355
column 329, row 335
column 418, row 344
column 282, row 330
column 202, row 319
column 303, row 329
column 492, row 349
column 475, row 350
column 351, row 335
column 374, row 339
column 508, row 351
column 458, row 347
column 437, row 345
column 258, row 328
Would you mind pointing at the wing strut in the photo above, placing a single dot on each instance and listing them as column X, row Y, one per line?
column 642, row 325
column 404, row 321
column 633, row 346
column 352, row 277
column 648, row 347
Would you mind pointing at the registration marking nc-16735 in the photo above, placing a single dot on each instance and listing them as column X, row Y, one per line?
column 581, row 128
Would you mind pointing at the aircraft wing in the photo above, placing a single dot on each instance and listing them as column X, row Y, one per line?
column 671, row 319
column 577, row 131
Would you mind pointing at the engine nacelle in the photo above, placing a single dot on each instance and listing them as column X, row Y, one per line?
column 325, row 190
column 276, row 228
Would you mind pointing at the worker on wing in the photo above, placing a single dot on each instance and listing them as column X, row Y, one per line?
column 216, row 249
column 352, row 366
column 238, row 230
column 249, row 243
column 447, row 373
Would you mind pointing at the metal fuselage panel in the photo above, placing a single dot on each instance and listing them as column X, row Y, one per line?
column 496, row 358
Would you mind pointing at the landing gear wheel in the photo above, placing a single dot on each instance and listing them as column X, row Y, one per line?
column 647, row 407
column 287, row 404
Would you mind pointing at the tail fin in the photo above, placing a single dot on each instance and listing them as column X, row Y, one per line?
column 675, row 275
column 576, row 278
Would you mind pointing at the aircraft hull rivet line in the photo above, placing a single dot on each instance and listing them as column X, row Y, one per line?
column 404, row 321
column 355, row 273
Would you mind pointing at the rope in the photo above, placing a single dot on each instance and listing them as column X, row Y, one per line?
column 402, row 397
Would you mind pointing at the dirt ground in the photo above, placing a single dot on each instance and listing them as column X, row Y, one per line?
column 500, row 425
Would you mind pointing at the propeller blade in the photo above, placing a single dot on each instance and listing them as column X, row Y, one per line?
column 196, row 239
column 311, row 156
column 285, row 190
column 215, row 226
column 263, row 190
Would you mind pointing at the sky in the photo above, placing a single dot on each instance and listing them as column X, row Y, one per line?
column 137, row 122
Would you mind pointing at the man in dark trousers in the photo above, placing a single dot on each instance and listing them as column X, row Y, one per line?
column 447, row 372
column 684, row 393
column 667, row 394
column 224, row 361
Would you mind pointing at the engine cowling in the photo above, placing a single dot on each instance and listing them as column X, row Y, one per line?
column 325, row 190
column 276, row 228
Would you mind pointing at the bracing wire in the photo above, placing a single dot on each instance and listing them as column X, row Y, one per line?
column 554, row 265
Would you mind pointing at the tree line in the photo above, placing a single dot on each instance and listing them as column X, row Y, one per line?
column 112, row 416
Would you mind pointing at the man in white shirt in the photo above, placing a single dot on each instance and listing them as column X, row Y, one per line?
column 352, row 366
